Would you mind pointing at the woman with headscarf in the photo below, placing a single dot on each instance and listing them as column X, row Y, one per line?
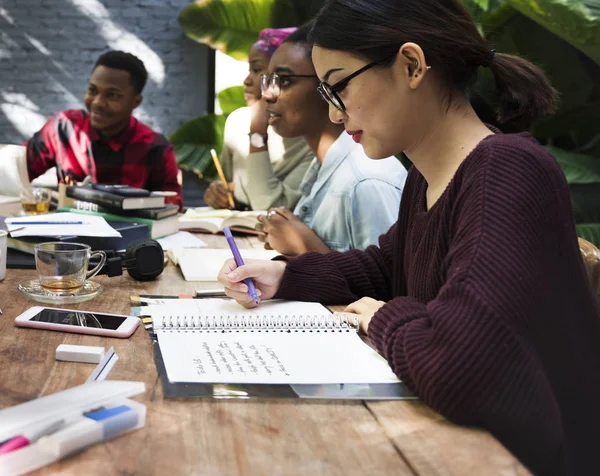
column 263, row 169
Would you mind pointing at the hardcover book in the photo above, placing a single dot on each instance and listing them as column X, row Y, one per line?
column 112, row 200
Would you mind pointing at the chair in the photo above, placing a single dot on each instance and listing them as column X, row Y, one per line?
column 13, row 170
column 591, row 260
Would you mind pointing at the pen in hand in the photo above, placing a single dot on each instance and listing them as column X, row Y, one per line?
column 240, row 262
column 213, row 153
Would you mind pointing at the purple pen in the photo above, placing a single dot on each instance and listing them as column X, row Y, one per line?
column 240, row 262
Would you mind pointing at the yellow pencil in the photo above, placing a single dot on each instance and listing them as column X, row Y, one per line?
column 213, row 152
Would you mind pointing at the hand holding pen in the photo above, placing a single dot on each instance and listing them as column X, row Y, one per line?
column 238, row 279
column 213, row 153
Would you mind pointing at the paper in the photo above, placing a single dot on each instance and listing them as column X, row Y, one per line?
column 181, row 239
column 208, row 212
column 280, row 342
column 204, row 264
column 90, row 226
column 275, row 357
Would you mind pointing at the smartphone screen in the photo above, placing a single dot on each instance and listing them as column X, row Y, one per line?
column 79, row 318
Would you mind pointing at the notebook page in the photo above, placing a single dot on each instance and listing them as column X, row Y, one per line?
column 271, row 357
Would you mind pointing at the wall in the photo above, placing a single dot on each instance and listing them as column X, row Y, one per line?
column 48, row 49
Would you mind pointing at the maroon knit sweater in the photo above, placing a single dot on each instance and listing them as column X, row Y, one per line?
column 490, row 317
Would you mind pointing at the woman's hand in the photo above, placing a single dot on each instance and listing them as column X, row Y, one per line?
column 364, row 309
column 259, row 117
column 216, row 195
column 283, row 231
column 267, row 276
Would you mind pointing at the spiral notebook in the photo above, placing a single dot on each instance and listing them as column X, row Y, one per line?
column 215, row 347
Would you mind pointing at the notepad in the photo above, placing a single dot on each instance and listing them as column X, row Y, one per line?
column 280, row 342
column 204, row 264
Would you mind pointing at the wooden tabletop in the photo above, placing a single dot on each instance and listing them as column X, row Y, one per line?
column 205, row 437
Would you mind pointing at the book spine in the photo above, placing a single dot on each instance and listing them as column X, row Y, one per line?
column 87, row 194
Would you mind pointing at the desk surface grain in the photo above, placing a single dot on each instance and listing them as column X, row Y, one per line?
column 198, row 437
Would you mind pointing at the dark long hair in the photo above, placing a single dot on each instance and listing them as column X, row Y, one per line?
column 454, row 48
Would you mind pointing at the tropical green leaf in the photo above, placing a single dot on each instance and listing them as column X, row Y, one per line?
column 585, row 199
column 231, row 99
column 561, row 61
column 195, row 158
column 232, row 26
column 476, row 6
column 575, row 21
column 590, row 232
column 193, row 140
column 578, row 168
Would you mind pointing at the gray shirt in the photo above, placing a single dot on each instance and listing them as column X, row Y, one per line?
column 263, row 179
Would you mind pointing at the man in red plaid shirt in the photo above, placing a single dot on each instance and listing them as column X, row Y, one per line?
column 106, row 142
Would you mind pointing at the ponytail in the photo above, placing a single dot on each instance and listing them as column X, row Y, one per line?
column 524, row 91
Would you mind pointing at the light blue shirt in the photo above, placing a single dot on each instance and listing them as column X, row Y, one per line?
column 349, row 199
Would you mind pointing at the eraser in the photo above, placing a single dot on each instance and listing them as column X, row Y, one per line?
column 79, row 353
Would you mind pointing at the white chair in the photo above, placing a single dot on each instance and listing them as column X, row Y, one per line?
column 13, row 170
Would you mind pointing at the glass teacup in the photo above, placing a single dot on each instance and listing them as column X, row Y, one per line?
column 63, row 267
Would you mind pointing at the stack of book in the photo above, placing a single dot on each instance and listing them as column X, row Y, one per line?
column 151, row 210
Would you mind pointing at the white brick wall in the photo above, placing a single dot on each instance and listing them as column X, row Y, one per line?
column 48, row 49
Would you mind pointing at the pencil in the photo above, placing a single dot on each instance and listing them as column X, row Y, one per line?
column 213, row 152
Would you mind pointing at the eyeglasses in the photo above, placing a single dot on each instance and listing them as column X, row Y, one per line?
column 329, row 93
column 275, row 82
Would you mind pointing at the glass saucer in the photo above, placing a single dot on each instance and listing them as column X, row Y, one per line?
column 33, row 290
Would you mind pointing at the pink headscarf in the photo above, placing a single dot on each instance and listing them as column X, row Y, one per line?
column 271, row 38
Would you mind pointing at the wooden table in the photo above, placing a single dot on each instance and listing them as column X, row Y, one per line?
column 198, row 437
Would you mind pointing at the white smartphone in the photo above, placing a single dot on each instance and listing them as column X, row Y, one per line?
column 79, row 322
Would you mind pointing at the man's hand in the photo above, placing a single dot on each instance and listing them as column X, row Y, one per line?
column 283, row 231
column 364, row 309
column 216, row 195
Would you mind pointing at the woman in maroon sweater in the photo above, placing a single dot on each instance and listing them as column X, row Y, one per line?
column 477, row 296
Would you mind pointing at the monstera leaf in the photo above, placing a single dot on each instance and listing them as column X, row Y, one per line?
column 231, row 99
column 583, row 175
column 232, row 26
column 575, row 21
column 193, row 140
column 589, row 231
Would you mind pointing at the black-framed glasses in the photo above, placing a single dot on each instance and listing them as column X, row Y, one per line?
column 275, row 82
column 329, row 92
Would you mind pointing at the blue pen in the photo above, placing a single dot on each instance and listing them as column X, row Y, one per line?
column 240, row 262
column 46, row 223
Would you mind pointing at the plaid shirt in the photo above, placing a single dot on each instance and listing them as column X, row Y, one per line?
column 138, row 156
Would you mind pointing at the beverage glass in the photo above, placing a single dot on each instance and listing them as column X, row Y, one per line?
column 63, row 267
column 36, row 201
column 3, row 235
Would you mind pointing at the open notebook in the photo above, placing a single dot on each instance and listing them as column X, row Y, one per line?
column 279, row 347
column 210, row 220
column 204, row 264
